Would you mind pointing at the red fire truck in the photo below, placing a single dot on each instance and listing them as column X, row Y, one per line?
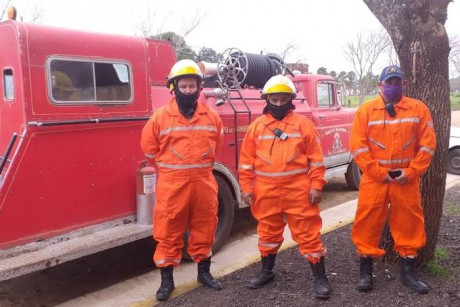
column 71, row 112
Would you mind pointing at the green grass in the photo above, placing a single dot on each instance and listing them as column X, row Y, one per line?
column 451, row 209
column 354, row 100
column 455, row 101
column 434, row 267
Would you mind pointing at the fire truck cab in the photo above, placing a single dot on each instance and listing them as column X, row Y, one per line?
column 72, row 107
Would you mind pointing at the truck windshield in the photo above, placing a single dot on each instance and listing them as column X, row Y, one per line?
column 326, row 95
column 88, row 82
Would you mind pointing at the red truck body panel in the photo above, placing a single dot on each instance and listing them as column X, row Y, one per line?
column 68, row 176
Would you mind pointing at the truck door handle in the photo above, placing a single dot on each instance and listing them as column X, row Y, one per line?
column 322, row 116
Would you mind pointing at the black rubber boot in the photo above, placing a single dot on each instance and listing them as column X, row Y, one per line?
column 265, row 275
column 167, row 283
column 205, row 277
column 365, row 281
column 322, row 286
column 409, row 277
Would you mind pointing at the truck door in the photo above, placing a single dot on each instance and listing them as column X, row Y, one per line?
column 333, row 123
column 11, row 92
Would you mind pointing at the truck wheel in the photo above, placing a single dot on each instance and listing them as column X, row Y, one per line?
column 453, row 161
column 353, row 176
column 225, row 214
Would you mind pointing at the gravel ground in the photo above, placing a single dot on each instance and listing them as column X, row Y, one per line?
column 293, row 285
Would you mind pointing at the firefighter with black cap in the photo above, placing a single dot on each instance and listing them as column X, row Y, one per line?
column 182, row 140
column 281, row 176
column 393, row 142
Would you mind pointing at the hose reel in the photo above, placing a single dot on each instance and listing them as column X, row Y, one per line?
column 236, row 68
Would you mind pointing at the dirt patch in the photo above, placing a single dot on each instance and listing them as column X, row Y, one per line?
column 293, row 284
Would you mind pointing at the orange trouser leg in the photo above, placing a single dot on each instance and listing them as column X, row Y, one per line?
column 170, row 218
column 203, row 216
column 305, row 224
column 406, row 218
column 281, row 201
column 370, row 217
column 269, row 215
column 270, row 227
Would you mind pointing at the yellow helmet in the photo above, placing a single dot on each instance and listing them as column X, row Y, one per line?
column 61, row 81
column 184, row 68
column 279, row 84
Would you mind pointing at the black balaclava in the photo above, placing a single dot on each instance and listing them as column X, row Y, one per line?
column 186, row 103
column 278, row 112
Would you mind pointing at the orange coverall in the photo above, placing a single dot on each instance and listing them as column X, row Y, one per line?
column 184, row 152
column 284, row 173
column 380, row 143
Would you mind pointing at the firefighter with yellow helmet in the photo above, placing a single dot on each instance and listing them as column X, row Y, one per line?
column 281, row 176
column 62, row 87
column 182, row 139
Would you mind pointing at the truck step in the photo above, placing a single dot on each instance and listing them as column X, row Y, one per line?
column 336, row 171
column 57, row 253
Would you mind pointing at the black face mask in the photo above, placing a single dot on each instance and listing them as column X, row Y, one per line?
column 279, row 112
column 187, row 103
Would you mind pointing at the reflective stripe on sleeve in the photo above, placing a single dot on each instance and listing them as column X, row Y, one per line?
column 245, row 166
column 358, row 151
column 427, row 149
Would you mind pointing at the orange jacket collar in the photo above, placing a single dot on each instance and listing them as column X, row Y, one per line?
column 403, row 103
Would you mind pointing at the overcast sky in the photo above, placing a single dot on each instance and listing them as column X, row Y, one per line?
column 319, row 29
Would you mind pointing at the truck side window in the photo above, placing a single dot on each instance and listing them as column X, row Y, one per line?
column 79, row 82
column 325, row 95
column 8, row 84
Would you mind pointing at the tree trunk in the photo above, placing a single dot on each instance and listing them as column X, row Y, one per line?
column 416, row 28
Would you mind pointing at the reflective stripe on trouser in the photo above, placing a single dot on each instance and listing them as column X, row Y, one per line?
column 186, row 197
column 278, row 201
column 405, row 217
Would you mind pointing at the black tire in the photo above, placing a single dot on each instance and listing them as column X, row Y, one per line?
column 453, row 161
column 225, row 214
column 353, row 176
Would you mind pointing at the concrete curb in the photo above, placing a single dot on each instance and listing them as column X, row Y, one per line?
column 140, row 291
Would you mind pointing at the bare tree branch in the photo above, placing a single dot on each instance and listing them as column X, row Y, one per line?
column 290, row 47
column 363, row 52
column 194, row 22
column 454, row 56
